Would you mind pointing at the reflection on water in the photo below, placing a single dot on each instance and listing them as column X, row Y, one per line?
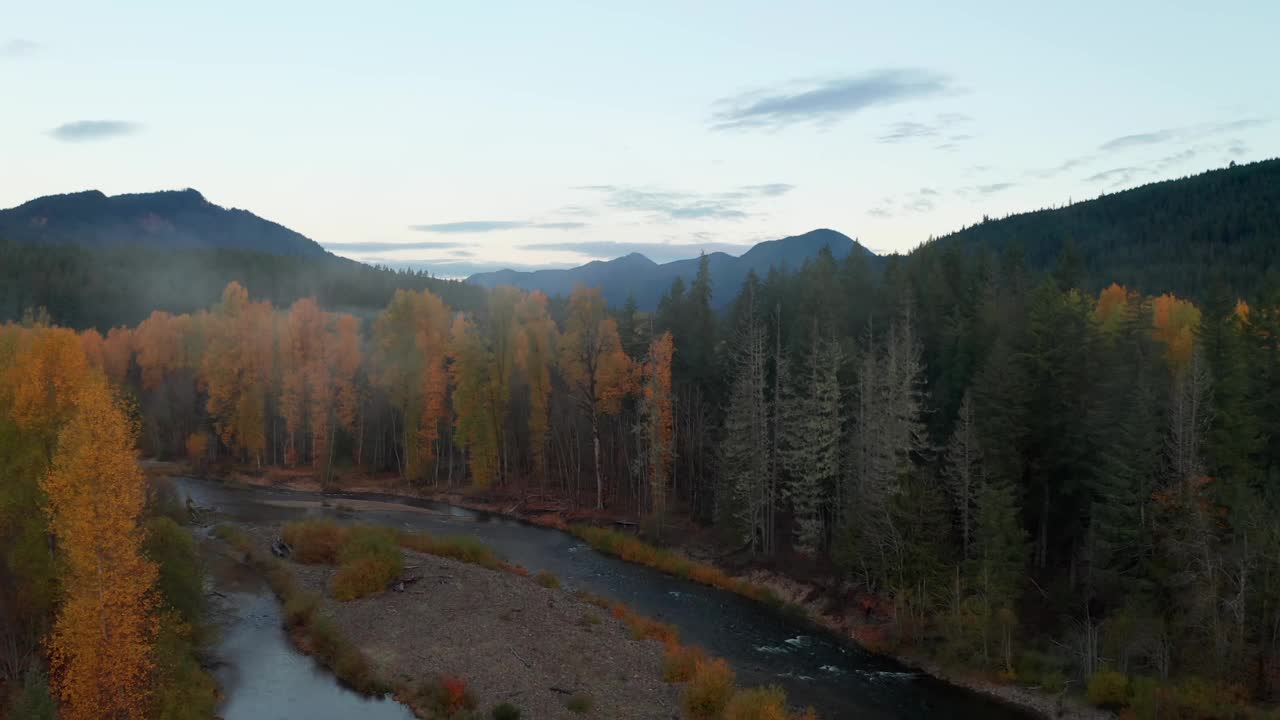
column 841, row 680
column 264, row 678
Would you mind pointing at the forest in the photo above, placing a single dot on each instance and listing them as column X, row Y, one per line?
column 1033, row 480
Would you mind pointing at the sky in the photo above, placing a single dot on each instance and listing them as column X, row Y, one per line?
column 464, row 137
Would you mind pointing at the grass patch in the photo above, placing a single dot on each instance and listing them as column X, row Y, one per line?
column 589, row 619
column 445, row 697
column 580, row 704
column 505, row 711
column 547, row 579
column 457, row 547
column 633, row 549
column 235, row 537
column 371, row 560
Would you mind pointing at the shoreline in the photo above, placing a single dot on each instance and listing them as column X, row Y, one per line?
column 790, row 590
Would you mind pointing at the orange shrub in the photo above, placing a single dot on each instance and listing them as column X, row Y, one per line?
column 680, row 662
column 314, row 541
column 766, row 703
column 547, row 579
column 709, row 690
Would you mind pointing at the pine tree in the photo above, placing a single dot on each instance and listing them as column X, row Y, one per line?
column 747, row 493
column 811, row 437
column 963, row 470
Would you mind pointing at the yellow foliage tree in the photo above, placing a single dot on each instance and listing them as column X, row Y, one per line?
column 101, row 646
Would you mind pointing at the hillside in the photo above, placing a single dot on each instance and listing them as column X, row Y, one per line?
column 638, row 276
column 179, row 219
column 1172, row 236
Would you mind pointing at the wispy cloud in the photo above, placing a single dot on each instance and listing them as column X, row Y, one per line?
column 983, row 190
column 914, row 202
column 1116, row 177
column 88, row 130
column 488, row 226
column 665, row 204
column 1147, row 138
column 827, row 101
column 374, row 247
column 18, row 47
column 941, row 127
column 656, row 251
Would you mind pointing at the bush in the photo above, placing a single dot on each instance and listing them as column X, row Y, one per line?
column 183, row 689
column 364, row 541
column 34, row 701
column 709, row 690
column 181, row 578
column 1109, row 689
column 234, row 537
column 446, row 697
column 766, row 703
column 162, row 500
column 680, row 662
column 314, row 541
column 506, row 711
column 547, row 579
column 580, row 704
column 365, row 576
column 300, row 609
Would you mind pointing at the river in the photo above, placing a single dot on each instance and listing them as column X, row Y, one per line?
column 839, row 679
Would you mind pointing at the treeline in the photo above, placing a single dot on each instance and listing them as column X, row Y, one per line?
column 1176, row 236
column 83, row 287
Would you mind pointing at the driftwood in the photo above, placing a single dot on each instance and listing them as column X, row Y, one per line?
column 560, row 690
column 280, row 548
column 526, row 662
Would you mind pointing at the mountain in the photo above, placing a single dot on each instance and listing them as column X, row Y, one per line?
column 638, row 276
column 1178, row 236
column 177, row 219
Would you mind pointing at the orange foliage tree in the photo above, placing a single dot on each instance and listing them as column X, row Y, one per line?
column 101, row 646
column 411, row 340
column 594, row 366
column 1174, row 323
column 657, row 419
column 534, row 354
column 236, row 370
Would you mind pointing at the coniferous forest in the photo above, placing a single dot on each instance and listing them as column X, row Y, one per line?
column 1054, row 470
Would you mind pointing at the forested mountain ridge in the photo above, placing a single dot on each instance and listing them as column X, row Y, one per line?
column 1170, row 236
column 636, row 276
column 176, row 219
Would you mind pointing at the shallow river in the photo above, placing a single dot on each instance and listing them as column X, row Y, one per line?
column 839, row 679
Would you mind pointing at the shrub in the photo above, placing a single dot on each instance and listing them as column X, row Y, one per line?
column 446, row 696
column 458, row 547
column 588, row 619
column 181, row 578
column 709, row 690
column 364, row 576
column 680, row 662
column 547, row 579
column 1108, row 689
column 34, row 700
column 506, row 711
column 314, row 541
column 580, row 704
column 234, row 537
column 300, row 609
column 766, row 703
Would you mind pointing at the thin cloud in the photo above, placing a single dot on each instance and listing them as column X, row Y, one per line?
column 88, row 130
column 487, row 226
column 375, row 247
column 663, row 204
column 1183, row 134
column 656, row 251
column 1147, row 138
column 1116, row 177
column 984, row 190
column 943, row 125
column 994, row 188
column 18, row 47
column 826, row 101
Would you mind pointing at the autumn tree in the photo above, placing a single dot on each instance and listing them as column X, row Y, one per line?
column 471, row 373
column 535, row 355
column 411, row 340
column 654, row 428
column 237, row 370
column 101, row 644
column 594, row 366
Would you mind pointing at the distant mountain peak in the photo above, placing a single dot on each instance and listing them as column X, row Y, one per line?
column 636, row 275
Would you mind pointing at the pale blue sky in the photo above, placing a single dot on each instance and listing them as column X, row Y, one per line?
column 549, row 133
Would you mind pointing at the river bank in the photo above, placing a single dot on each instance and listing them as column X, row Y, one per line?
column 765, row 647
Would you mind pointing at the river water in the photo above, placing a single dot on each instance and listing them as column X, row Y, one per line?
column 839, row 679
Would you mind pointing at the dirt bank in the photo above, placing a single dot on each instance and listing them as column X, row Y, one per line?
column 509, row 638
